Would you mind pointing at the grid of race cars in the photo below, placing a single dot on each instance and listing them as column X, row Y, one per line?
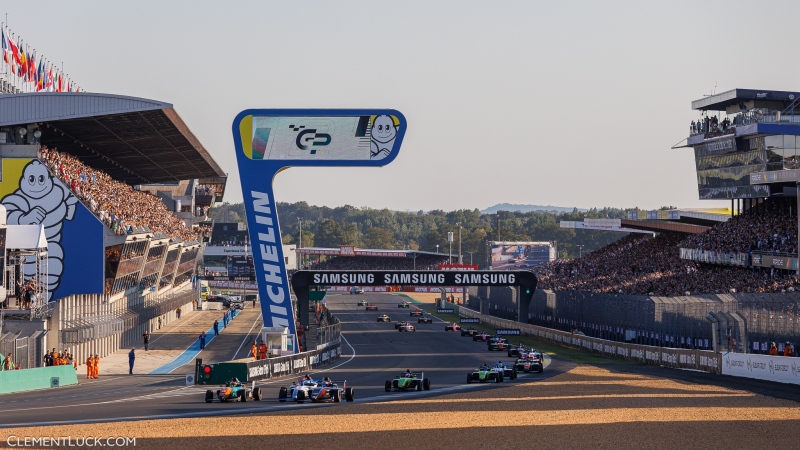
column 525, row 360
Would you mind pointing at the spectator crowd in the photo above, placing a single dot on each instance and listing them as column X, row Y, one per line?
column 116, row 204
column 770, row 227
column 644, row 265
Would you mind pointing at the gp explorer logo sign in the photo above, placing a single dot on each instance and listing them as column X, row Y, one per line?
column 309, row 138
column 355, row 138
column 270, row 140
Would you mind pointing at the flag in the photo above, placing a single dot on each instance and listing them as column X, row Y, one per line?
column 23, row 63
column 40, row 77
column 59, row 83
column 32, row 68
column 14, row 51
column 6, row 48
column 48, row 79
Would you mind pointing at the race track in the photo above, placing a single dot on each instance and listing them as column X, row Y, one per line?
column 372, row 353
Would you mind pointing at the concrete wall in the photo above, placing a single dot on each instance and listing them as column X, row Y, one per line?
column 38, row 378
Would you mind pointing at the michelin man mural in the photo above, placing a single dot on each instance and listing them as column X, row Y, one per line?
column 384, row 131
column 41, row 201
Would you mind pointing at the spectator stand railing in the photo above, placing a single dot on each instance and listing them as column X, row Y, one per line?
column 26, row 352
column 711, row 257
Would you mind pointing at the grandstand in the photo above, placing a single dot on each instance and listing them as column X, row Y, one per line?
column 119, row 185
column 708, row 276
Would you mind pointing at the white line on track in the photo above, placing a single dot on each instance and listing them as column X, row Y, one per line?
column 246, row 337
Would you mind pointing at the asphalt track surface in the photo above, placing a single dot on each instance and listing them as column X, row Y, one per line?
column 372, row 353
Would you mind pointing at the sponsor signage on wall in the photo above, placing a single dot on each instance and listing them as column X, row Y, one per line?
column 508, row 332
column 761, row 367
column 470, row 320
column 445, row 311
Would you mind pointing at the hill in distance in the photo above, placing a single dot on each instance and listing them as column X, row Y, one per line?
column 527, row 208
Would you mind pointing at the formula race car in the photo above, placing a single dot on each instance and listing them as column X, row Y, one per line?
column 531, row 363
column 498, row 343
column 406, row 326
column 452, row 327
column 517, row 350
column 482, row 336
column 356, row 290
column 415, row 313
column 372, row 307
column 484, row 374
column 402, row 323
column 362, row 303
column 384, row 318
column 509, row 369
column 323, row 390
column 404, row 305
column 424, row 320
column 469, row 331
column 234, row 390
column 409, row 380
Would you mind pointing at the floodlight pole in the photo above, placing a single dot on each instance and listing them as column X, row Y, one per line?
column 460, row 261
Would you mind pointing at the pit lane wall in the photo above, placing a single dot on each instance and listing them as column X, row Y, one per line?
column 37, row 378
column 274, row 367
column 702, row 360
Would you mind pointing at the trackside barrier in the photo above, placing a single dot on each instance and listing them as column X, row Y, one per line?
column 702, row 360
column 37, row 378
column 273, row 367
column 762, row 367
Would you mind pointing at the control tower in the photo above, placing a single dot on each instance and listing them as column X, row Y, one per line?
column 746, row 145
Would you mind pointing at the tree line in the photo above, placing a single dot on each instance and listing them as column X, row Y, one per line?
column 385, row 229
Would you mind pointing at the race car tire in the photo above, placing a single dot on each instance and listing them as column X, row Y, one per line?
column 509, row 354
column 336, row 396
column 257, row 394
column 282, row 394
column 419, row 386
column 469, row 378
column 497, row 379
column 388, row 386
column 301, row 396
column 474, row 338
column 426, row 384
column 502, row 379
column 541, row 369
column 514, row 374
column 209, row 396
column 243, row 395
column 349, row 394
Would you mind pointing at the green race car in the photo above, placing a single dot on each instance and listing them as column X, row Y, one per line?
column 485, row 374
column 409, row 381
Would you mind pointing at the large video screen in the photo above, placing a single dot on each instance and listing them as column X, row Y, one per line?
column 520, row 255
column 241, row 266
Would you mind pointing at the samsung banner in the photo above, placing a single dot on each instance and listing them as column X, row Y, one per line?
column 763, row 367
column 268, row 141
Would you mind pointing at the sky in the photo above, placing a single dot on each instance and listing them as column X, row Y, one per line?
column 552, row 103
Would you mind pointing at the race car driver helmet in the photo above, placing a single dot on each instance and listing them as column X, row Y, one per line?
column 234, row 380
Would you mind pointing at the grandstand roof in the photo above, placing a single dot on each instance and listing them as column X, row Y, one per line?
column 134, row 140
column 721, row 101
column 659, row 226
